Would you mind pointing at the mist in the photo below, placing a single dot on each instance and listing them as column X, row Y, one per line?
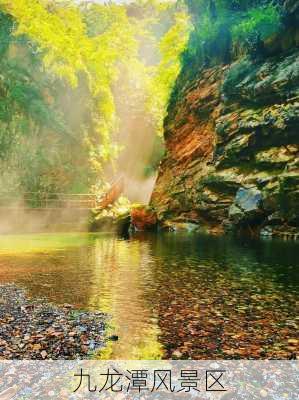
column 71, row 132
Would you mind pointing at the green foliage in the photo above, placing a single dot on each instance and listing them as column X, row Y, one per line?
column 23, row 95
column 71, row 75
column 35, row 141
column 22, row 106
column 72, row 48
column 172, row 45
column 223, row 29
column 264, row 20
column 6, row 27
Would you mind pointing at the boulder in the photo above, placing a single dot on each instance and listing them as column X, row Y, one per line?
column 247, row 206
column 248, row 199
column 143, row 218
column 175, row 226
column 110, row 223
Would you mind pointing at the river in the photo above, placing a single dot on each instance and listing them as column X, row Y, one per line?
column 169, row 295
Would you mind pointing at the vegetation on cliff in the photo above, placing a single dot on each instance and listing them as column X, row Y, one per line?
column 224, row 30
column 85, row 89
column 231, row 136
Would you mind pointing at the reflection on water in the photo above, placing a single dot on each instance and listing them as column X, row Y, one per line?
column 169, row 295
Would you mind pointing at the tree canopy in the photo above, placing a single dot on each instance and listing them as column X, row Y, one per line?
column 82, row 82
column 67, row 69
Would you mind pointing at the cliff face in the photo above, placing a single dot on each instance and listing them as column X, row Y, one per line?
column 232, row 154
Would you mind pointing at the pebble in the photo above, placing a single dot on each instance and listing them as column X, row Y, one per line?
column 39, row 330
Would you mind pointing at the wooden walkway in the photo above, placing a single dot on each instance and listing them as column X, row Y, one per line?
column 64, row 201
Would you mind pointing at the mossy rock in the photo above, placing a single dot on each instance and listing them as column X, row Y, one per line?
column 106, row 223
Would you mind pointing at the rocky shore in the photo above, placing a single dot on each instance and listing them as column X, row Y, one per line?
column 34, row 329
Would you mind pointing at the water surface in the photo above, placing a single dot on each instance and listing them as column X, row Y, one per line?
column 173, row 295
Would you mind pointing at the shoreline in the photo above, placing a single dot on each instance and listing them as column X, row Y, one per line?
column 38, row 330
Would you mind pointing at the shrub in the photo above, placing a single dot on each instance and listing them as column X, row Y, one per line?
column 227, row 28
column 264, row 20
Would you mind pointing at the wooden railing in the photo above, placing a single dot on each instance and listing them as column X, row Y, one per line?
column 63, row 200
column 49, row 200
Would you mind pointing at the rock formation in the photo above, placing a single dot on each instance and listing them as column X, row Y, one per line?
column 232, row 146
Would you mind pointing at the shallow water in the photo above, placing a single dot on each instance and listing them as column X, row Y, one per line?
column 169, row 295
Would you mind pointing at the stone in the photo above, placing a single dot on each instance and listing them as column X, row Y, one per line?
column 235, row 214
column 277, row 156
column 143, row 218
column 175, row 226
column 113, row 338
column 111, row 223
column 275, row 219
column 248, row 199
column 264, row 393
column 177, row 354
column 33, row 335
column 44, row 354
column 247, row 206
column 267, row 231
